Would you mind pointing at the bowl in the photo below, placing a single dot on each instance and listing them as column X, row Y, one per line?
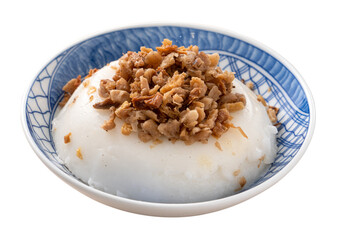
column 273, row 77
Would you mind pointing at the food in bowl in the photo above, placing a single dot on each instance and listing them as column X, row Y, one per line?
column 165, row 126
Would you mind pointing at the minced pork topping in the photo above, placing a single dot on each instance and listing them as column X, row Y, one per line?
column 176, row 92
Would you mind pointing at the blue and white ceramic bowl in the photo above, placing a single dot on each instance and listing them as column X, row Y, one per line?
column 274, row 78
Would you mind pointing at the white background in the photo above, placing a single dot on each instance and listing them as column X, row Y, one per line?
column 306, row 204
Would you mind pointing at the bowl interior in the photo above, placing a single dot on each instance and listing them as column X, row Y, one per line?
column 271, row 78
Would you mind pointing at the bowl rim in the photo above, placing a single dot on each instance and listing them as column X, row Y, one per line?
column 177, row 209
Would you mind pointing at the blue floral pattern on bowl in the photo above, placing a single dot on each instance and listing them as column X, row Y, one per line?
column 272, row 79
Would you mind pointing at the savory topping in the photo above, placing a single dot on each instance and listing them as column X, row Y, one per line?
column 126, row 129
column 67, row 138
column 110, row 124
column 69, row 88
column 260, row 160
column 86, row 82
column 217, row 144
column 175, row 92
column 74, row 100
column 236, row 172
column 91, row 72
column 250, row 85
column 240, row 130
column 242, row 182
column 78, row 153
column 233, row 107
column 91, row 90
column 72, row 85
column 262, row 100
column 271, row 111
